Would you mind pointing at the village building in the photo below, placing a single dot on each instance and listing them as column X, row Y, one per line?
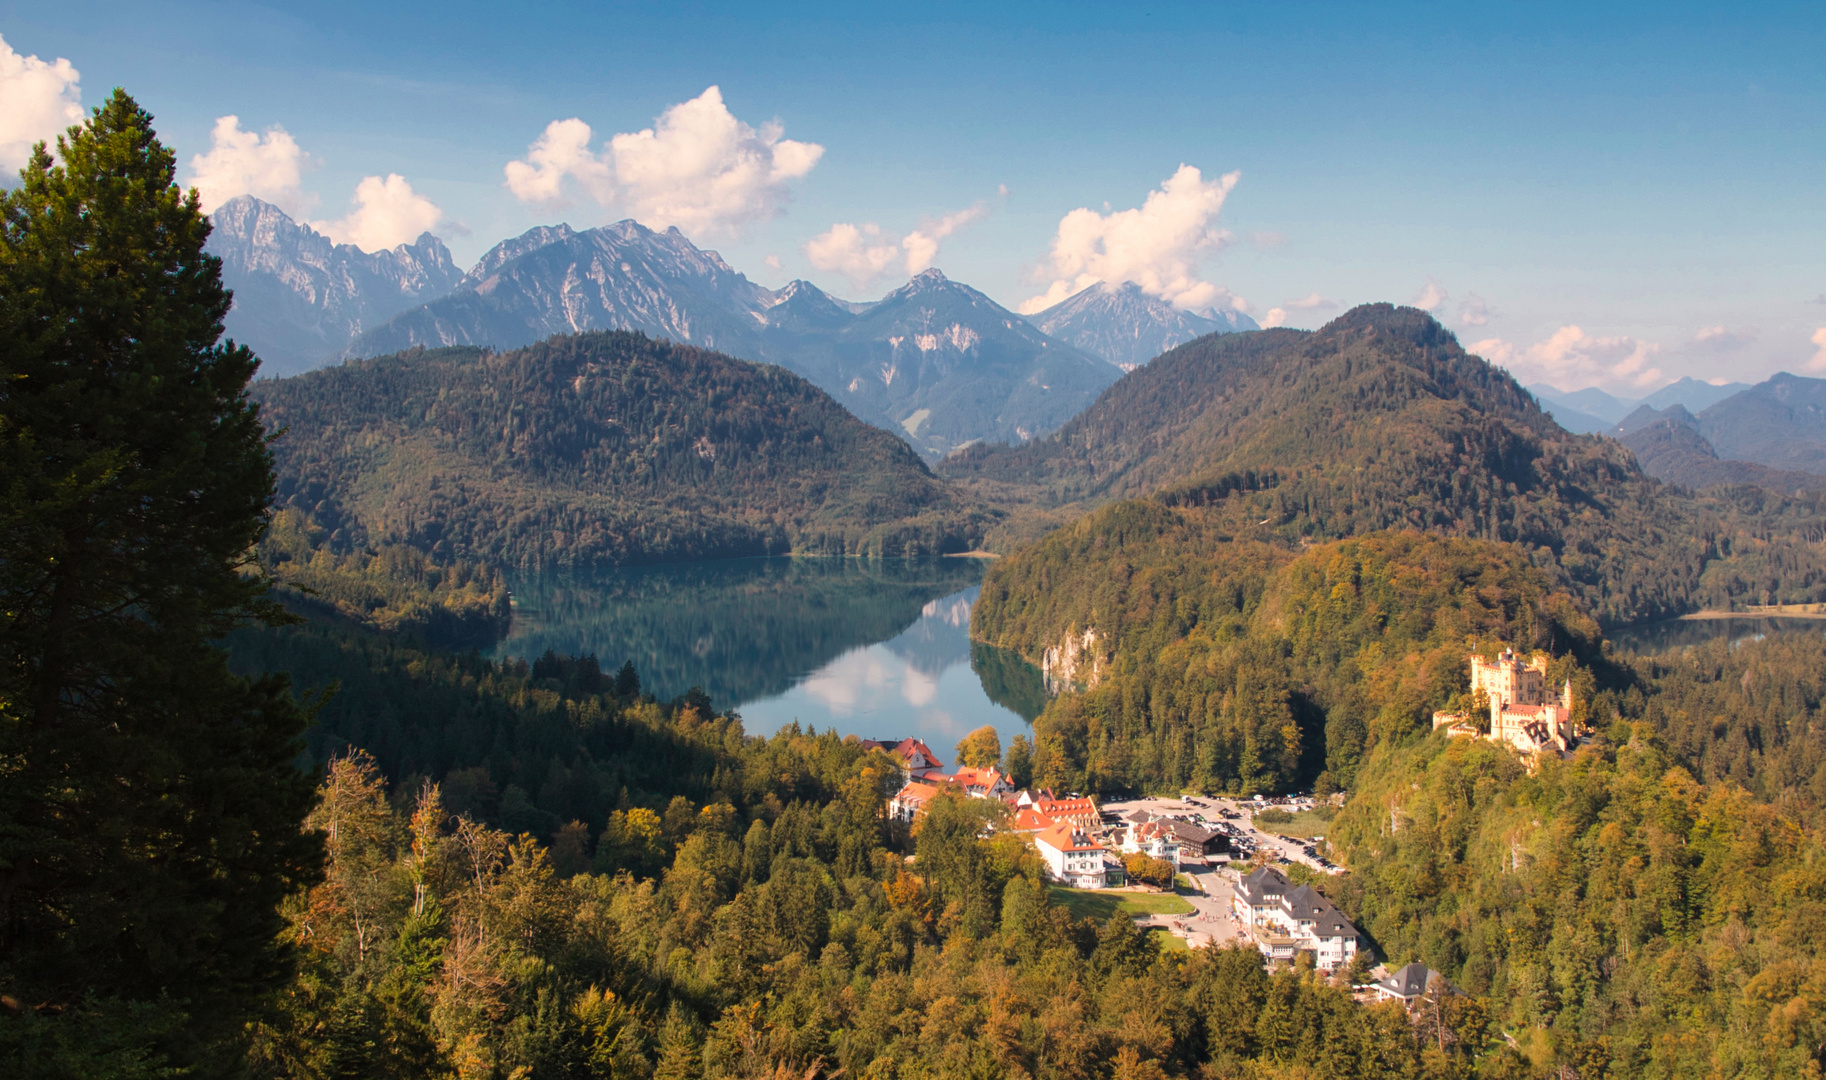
column 1072, row 858
column 980, row 783
column 910, row 801
column 1152, row 838
column 915, row 758
column 1524, row 715
column 1408, row 985
column 1082, row 813
column 1284, row 920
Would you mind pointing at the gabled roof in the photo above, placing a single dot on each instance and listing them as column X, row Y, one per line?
column 1027, row 819
column 1265, row 882
column 918, row 791
column 1409, row 982
column 905, row 750
column 1066, row 807
column 1189, row 832
column 1063, row 837
column 987, row 779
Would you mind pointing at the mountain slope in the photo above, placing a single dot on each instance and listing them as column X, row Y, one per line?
column 300, row 298
column 1669, row 447
column 1380, row 420
column 597, row 448
column 934, row 361
column 1592, row 410
column 1126, row 326
column 1780, row 423
column 942, row 362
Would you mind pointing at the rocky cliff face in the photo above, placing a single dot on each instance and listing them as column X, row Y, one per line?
column 300, row 298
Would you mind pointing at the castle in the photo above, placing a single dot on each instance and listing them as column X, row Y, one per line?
column 1522, row 715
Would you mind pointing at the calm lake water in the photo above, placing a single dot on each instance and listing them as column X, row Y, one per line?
column 879, row 649
column 1660, row 637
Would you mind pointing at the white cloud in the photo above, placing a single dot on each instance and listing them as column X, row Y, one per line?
column 387, row 213
column 1818, row 363
column 697, row 167
column 772, row 262
column 1720, row 339
column 269, row 167
column 860, row 253
column 864, row 253
column 1474, row 310
column 1157, row 245
column 1267, row 240
column 562, row 150
column 38, row 100
column 1571, row 357
column 1277, row 316
column 1431, row 297
column 922, row 243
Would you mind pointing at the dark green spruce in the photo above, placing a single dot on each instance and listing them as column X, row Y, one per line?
column 150, row 810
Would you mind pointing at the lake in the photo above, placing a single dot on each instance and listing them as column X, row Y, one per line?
column 1671, row 634
column 875, row 648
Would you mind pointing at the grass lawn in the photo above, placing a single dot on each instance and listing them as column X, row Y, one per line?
column 1100, row 904
column 1305, row 824
column 1169, row 943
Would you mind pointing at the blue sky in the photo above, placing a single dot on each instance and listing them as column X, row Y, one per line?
column 1623, row 194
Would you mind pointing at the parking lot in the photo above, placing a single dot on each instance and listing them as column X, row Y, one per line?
column 1232, row 817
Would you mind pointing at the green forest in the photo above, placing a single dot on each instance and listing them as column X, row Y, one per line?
column 267, row 811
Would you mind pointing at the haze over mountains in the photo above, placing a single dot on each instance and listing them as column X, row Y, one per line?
column 935, row 361
column 1772, row 434
column 1591, row 409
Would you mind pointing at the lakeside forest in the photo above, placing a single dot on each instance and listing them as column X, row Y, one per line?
column 266, row 810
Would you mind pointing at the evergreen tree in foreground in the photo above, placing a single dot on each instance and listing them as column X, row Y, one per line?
column 150, row 810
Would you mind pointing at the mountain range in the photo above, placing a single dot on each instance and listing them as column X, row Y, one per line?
column 1772, row 434
column 1592, row 410
column 934, row 361
column 1127, row 327
column 300, row 298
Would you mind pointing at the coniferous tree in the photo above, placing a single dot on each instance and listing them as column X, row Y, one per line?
column 149, row 808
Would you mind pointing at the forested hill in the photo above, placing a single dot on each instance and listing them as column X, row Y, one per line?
column 1381, row 420
column 603, row 447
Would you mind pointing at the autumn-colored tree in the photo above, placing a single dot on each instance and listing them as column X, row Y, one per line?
column 981, row 749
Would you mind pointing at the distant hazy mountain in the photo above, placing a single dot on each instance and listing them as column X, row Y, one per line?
column 1693, row 395
column 1669, row 447
column 935, row 361
column 1126, row 326
column 300, row 298
column 1591, row 409
column 1772, row 434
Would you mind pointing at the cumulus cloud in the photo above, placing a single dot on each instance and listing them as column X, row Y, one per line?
column 563, row 150
column 1571, row 357
column 38, row 100
column 1157, row 245
column 387, row 213
column 1432, row 297
column 269, row 167
column 864, row 253
column 861, row 254
column 697, row 167
column 1720, row 339
column 1277, row 316
column 1474, row 310
column 1818, row 363
column 772, row 262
